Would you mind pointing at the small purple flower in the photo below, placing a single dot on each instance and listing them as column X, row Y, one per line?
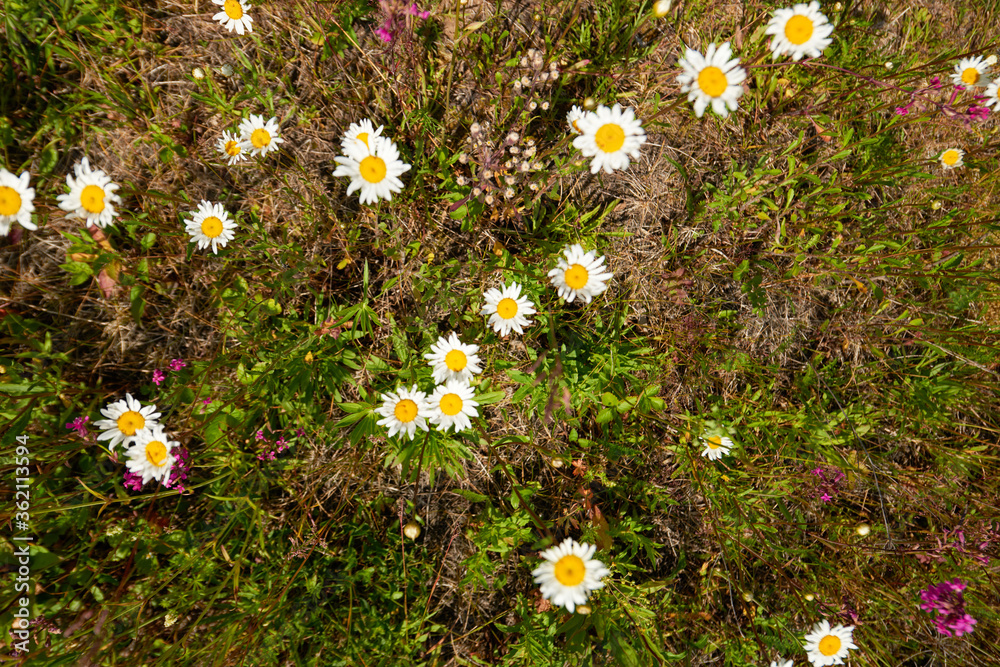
column 947, row 602
column 300, row 433
column 133, row 481
column 384, row 34
column 978, row 113
column 80, row 426
column 177, row 364
column 902, row 111
column 936, row 82
column 260, row 434
column 826, row 497
column 158, row 377
column 206, row 401
column 179, row 471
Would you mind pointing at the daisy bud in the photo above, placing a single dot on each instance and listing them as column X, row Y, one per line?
column 583, row 609
column 412, row 530
column 991, row 60
column 809, row 597
column 524, row 62
column 198, row 73
column 509, row 193
column 590, row 104
column 517, row 87
column 661, row 8
column 837, row 7
column 936, row 206
column 226, row 70
column 864, row 529
column 889, row 65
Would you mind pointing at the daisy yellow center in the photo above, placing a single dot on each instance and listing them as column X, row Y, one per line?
column 576, row 277
column 372, row 169
column 156, row 453
column 233, row 9
column 507, row 308
column 260, row 138
column 714, row 442
column 363, row 136
column 799, row 29
column 712, row 81
column 233, row 148
column 970, row 76
column 829, row 645
column 211, row 226
column 577, row 127
column 10, row 201
column 130, row 422
column 451, row 404
column 92, row 199
column 610, row 137
column 950, row 157
column 405, row 411
column 455, row 360
column 570, row 570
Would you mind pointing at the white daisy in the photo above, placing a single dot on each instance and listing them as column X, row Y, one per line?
column 234, row 15
column 91, row 195
column 258, row 137
column 573, row 117
column 952, row 157
column 716, row 446
column 151, row 455
column 569, row 573
column 829, row 646
column 362, row 132
column 15, row 201
column 714, row 78
column 971, row 72
column 210, row 226
column 610, row 136
column 452, row 405
column 453, row 360
column 993, row 96
column 800, row 31
column 374, row 169
column 580, row 274
column 507, row 309
column 783, row 663
column 126, row 420
column 404, row 411
column 231, row 148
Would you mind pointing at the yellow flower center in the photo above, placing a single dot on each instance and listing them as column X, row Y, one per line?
column 576, row 277
column 455, row 360
column 234, row 10
column 92, row 199
column 970, row 76
column 714, row 442
column 233, row 148
column 799, row 29
column 211, row 226
column 507, row 308
column 577, row 128
column 950, row 157
column 156, row 453
column 570, row 570
column 363, row 136
column 373, row 169
column 610, row 137
column 829, row 645
column 130, row 422
column 10, row 201
column 712, row 81
column 406, row 411
column 260, row 138
column 451, row 404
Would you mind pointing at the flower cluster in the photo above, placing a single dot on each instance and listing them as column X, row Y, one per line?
column 397, row 13
column 946, row 600
column 827, row 483
column 371, row 161
column 280, row 446
column 174, row 365
column 150, row 453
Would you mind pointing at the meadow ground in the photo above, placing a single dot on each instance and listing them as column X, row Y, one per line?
column 802, row 277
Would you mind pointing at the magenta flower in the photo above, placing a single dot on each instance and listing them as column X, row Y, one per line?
column 260, row 434
column 80, row 426
column 133, row 481
column 158, row 377
column 179, row 471
column 177, row 364
column 947, row 602
column 206, row 401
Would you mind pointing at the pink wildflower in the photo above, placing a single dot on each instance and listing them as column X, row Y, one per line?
column 80, row 426
column 158, row 377
column 177, row 364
